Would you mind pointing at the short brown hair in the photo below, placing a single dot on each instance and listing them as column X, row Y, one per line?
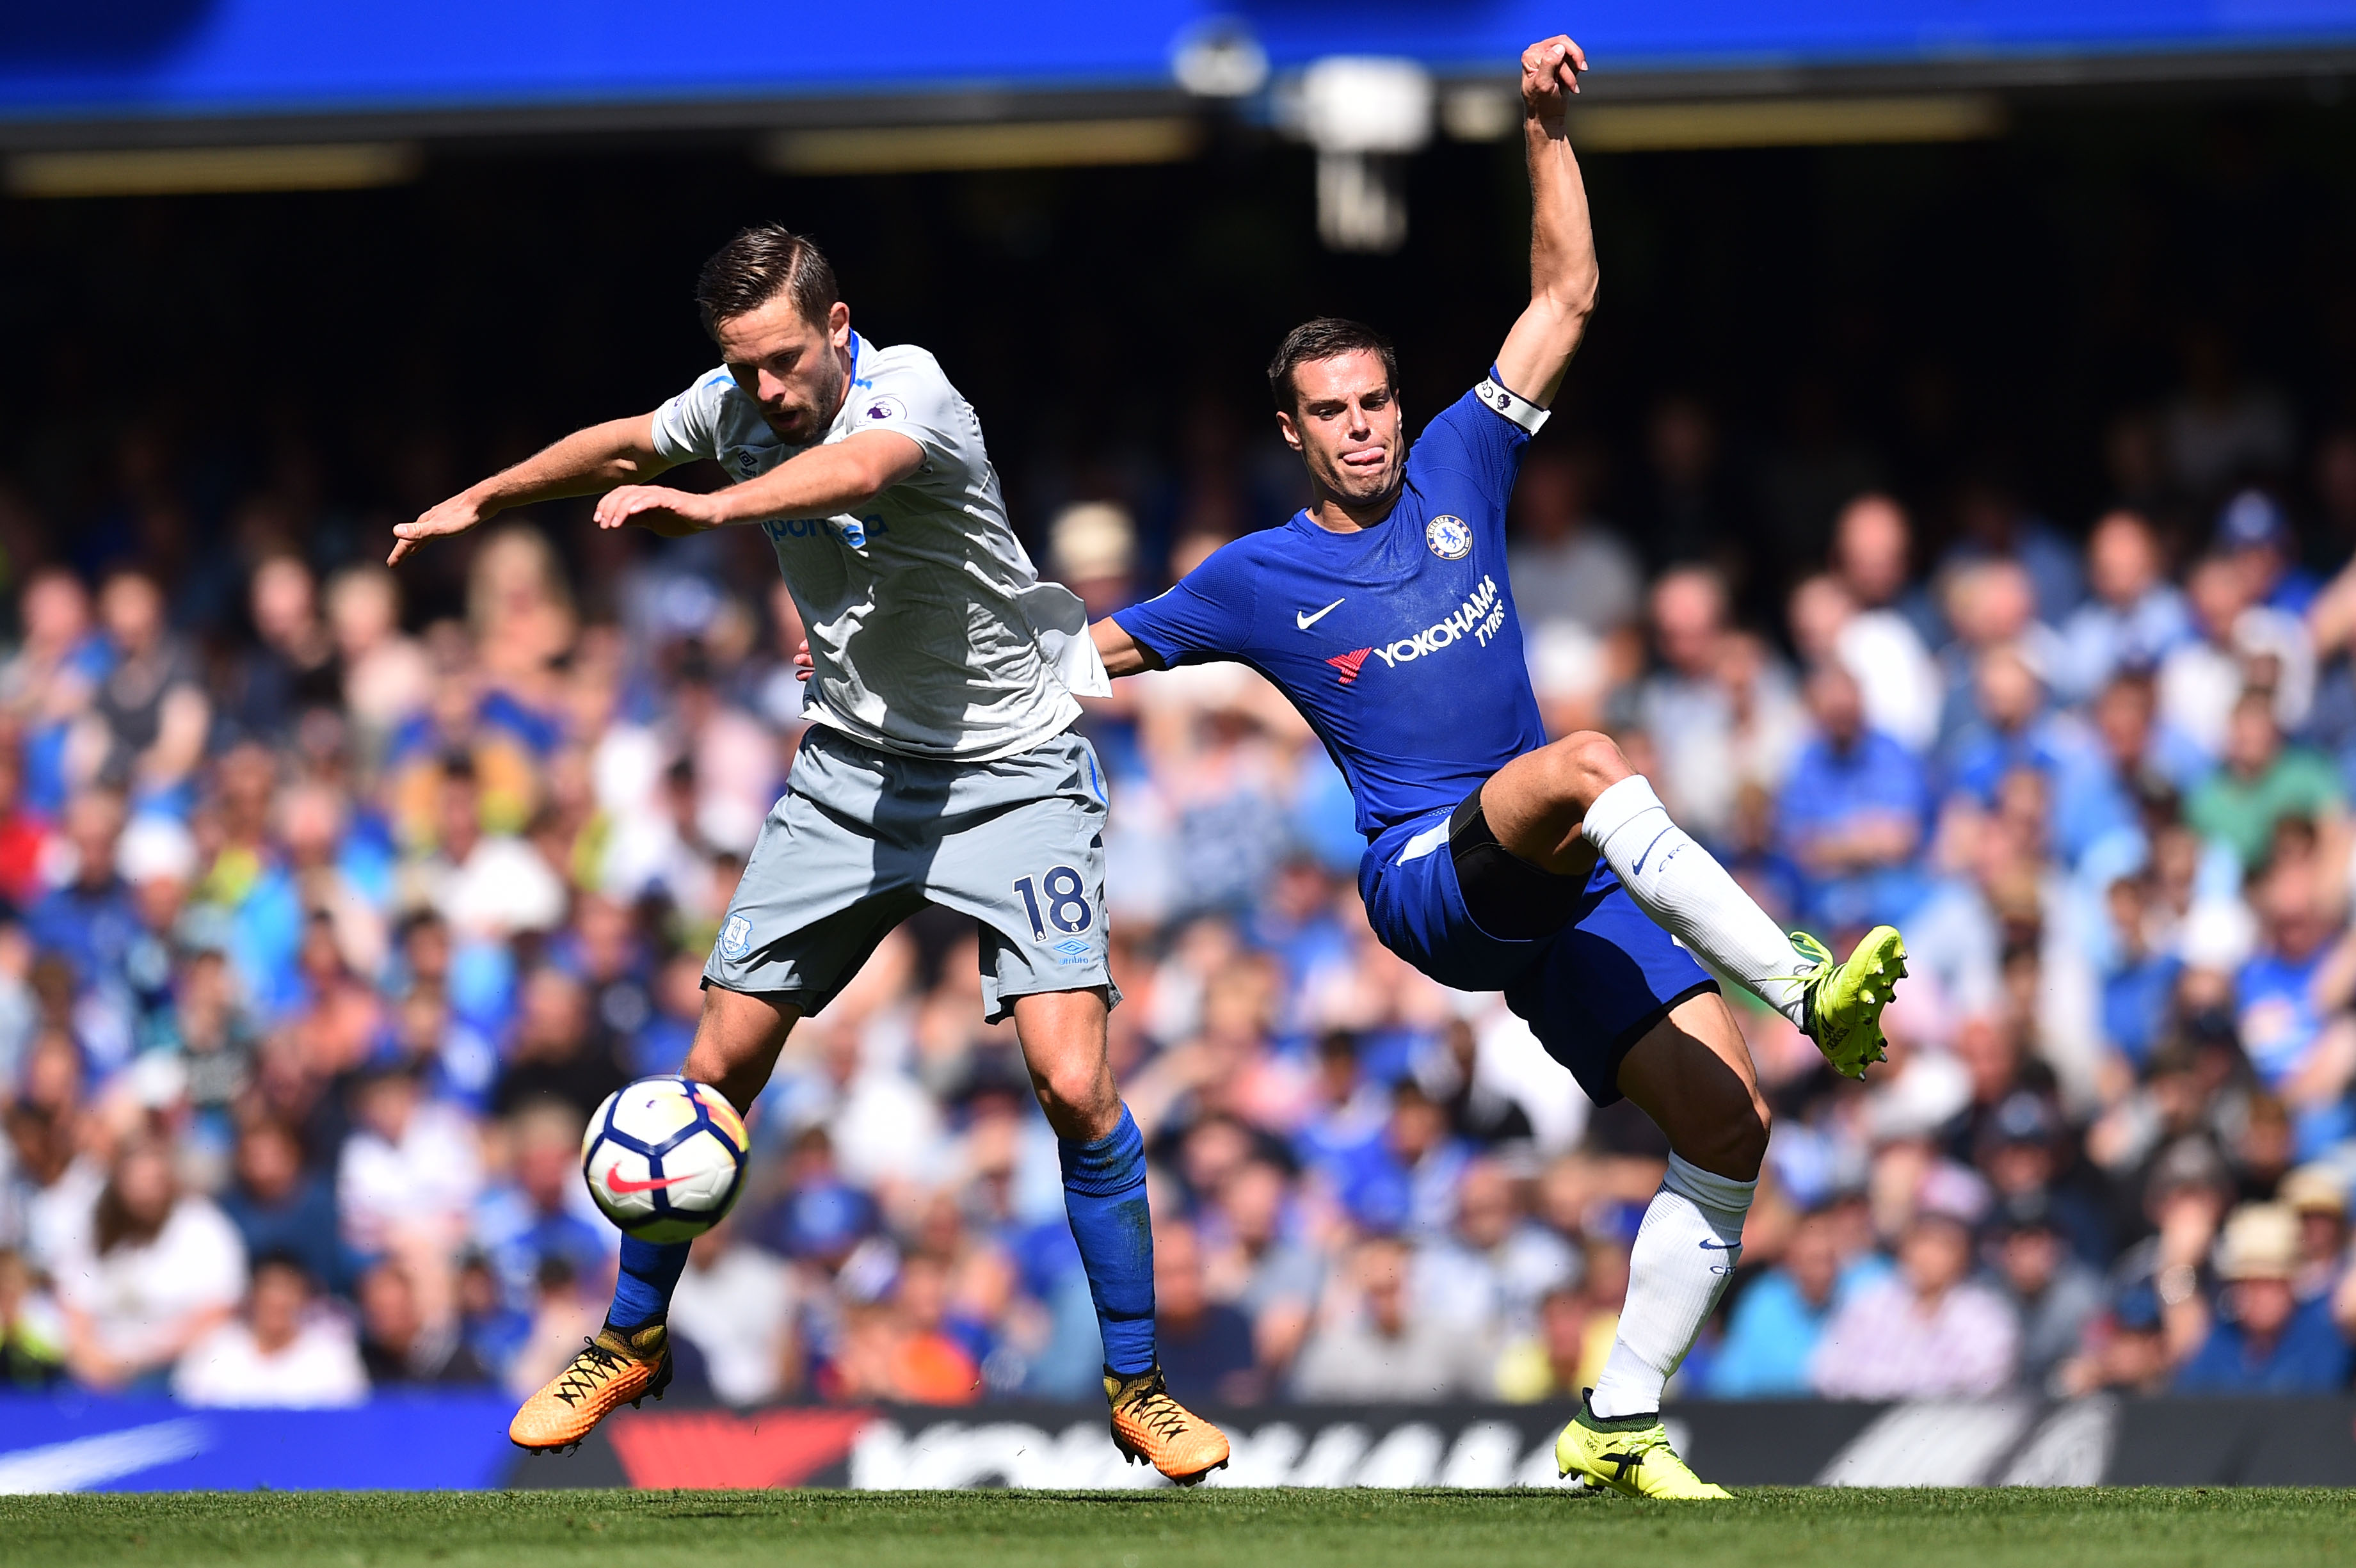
column 1327, row 337
column 759, row 264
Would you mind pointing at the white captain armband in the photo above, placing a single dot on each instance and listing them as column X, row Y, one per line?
column 1513, row 405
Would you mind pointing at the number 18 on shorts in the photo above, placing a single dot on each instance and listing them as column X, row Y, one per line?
column 863, row 839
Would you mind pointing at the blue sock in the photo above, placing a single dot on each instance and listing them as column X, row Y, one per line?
column 1104, row 1194
column 650, row 1272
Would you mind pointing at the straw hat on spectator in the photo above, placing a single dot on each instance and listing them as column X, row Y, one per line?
column 1093, row 540
column 2261, row 1241
column 2314, row 1189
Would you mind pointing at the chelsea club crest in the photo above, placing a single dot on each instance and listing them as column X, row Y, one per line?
column 1450, row 538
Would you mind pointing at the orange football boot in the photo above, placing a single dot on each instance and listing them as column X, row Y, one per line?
column 611, row 1370
column 1149, row 1426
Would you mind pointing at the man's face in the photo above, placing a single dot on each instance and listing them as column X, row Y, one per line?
column 2263, row 1306
column 1935, row 1254
column 792, row 366
column 1344, row 423
column 1838, row 706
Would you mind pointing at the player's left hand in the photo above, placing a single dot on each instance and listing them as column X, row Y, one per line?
column 803, row 663
column 673, row 514
column 1550, row 69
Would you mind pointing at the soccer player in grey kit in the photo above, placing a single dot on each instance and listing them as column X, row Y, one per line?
column 941, row 767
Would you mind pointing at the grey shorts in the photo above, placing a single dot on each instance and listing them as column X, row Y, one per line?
column 864, row 838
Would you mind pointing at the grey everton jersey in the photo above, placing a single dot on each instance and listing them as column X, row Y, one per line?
column 931, row 633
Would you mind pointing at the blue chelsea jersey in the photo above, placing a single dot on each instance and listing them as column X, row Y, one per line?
column 1397, row 643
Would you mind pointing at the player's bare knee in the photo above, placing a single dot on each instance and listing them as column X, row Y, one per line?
column 1078, row 1098
column 1732, row 1143
column 1582, row 765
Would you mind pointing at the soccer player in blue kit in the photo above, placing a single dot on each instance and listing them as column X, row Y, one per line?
column 1496, row 860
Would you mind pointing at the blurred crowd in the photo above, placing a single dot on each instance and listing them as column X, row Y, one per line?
column 328, row 921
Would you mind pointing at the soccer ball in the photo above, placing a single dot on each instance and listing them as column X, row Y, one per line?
column 664, row 1158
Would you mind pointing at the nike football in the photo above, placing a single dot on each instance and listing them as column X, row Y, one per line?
column 665, row 1159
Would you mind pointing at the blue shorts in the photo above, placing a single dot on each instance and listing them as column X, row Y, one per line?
column 1589, row 991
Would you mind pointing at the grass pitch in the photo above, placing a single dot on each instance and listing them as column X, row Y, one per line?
column 2210, row 1528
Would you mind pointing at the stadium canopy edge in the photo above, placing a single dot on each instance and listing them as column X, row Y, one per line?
column 161, row 73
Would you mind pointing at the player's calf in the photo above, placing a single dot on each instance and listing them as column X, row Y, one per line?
column 1065, row 1048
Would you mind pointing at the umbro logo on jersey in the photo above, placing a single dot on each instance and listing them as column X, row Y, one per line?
column 1348, row 663
column 1305, row 619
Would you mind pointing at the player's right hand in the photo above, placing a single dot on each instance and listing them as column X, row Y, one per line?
column 455, row 516
column 1550, row 70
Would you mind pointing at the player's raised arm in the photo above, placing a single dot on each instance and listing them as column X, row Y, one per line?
column 1562, row 245
column 598, row 458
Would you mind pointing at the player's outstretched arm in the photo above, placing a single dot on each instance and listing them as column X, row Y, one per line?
column 1122, row 654
column 1562, row 245
column 840, row 477
column 598, row 458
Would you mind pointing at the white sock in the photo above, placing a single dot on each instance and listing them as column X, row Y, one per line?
column 1685, row 1252
column 1682, row 887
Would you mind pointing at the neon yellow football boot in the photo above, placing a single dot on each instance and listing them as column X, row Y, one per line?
column 1843, row 1002
column 1631, row 1455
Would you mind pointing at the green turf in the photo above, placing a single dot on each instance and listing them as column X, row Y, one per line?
column 2213, row 1527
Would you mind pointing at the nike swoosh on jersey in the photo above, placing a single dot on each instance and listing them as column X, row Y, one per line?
column 622, row 1186
column 1304, row 620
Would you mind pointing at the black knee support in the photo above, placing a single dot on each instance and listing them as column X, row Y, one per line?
column 1508, row 897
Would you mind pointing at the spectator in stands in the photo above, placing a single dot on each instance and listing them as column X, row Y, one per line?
column 493, row 1332
column 2261, row 782
column 1771, row 1335
column 1881, row 641
column 2317, row 1194
column 487, row 885
column 1564, row 1355
column 279, row 1351
column 88, row 920
column 2132, row 617
column 2253, row 534
column 1489, row 1272
column 409, row 1170
column 151, row 707
column 280, row 1207
column 1203, row 1344
column 2126, row 1348
column 2266, row 1341
column 293, row 671
column 145, row 1274
column 1929, row 1330
column 1257, row 1263
column 2290, row 999
column 1567, row 565
column 399, row 1346
column 737, row 1305
column 2054, row 1293
column 1853, row 811
column 1377, row 1347
column 560, row 1051
column 49, row 683
column 542, row 1210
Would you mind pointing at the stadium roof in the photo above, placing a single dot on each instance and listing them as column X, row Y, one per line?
column 143, row 72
